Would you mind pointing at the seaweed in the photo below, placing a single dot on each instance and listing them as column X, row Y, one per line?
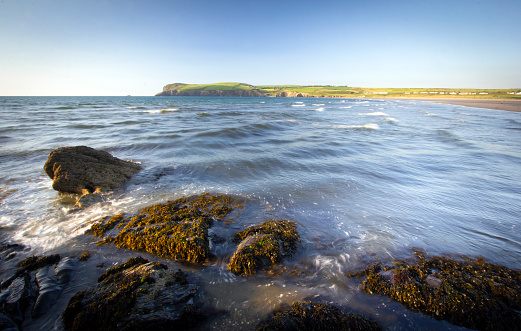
column 253, row 253
column 469, row 292
column 176, row 230
column 263, row 244
column 316, row 316
column 283, row 230
column 128, row 298
column 34, row 262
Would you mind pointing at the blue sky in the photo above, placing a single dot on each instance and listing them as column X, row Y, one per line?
column 98, row 47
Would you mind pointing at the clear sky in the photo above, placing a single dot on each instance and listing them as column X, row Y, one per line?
column 120, row 47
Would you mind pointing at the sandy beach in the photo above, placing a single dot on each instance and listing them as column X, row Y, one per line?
column 499, row 104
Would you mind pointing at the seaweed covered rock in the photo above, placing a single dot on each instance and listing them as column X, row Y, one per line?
column 467, row 292
column 312, row 316
column 136, row 295
column 176, row 230
column 82, row 169
column 262, row 245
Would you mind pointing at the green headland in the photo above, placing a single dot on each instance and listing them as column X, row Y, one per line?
column 328, row 91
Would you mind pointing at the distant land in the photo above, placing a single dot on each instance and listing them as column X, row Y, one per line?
column 328, row 91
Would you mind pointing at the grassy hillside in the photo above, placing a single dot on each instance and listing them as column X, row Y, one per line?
column 345, row 91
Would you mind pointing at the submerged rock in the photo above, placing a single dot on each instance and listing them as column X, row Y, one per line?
column 88, row 200
column 311, row 316
column 470, row 292
column 176, row 230
column 136, row 295
column 262, row 245
column 83, row 169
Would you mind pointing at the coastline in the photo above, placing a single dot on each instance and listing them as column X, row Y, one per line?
column 498, row 104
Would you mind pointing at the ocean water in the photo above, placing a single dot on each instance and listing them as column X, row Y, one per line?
column 366, row 181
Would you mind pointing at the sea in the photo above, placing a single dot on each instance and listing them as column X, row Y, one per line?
column 366, row 180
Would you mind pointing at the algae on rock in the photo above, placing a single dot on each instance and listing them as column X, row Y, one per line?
column 135, row 295
column 176, row 230
column 262, row 245
column 467, row 292
column 315, row 316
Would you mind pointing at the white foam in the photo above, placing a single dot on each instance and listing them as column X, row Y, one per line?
column 346, row 107
column 368, row 126
column 376, row 113
column 298, row 105
column 161, row 111
column 320, row 109
column 390, row 119
column 318, row 104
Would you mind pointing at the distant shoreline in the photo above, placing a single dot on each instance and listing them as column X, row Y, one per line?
column 498, row 104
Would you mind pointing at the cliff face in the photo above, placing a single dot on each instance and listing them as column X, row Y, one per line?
column 288, row 94
column 211, row 93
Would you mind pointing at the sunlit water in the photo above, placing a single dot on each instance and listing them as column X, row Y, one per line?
column 366, row 181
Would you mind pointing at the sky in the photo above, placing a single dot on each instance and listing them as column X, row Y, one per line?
column 115, row 47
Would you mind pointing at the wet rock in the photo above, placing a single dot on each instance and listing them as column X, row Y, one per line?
column 48, row 292
column 262, row 245
column 176, row 230
column 254, row 252
column 83, row 169
column 65, row 269
column 33, row 263
column 136, row 295
column 284, row 231
column 7, row 324
column 88, row 200
column 314, row 316
column 467, row 292
column 15, row 300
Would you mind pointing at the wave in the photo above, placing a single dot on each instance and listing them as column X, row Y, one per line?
column 160, row 111
column 368, row 126
column 376, row 113
column 320, row 109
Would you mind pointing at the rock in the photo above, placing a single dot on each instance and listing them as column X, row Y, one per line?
column 254, row 252
column 88, row 200
column 176, row 230
column 313, row 316
column 290, row 94
column 15, row 300
column 48, row 292
column 65, row 269
column 7, row 324
column 137, row 295
column 83, row 169
column 468, row 292
column 262, row 245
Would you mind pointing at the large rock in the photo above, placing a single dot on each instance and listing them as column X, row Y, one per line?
column 136, row 295
column 82, row 169
column 262, row 245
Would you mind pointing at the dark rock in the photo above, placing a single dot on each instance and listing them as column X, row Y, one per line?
column 137, row 295
column 7, row 324
column 309, row 316
column 15, row 300
column 48, row 292
column 83, row 169
column 88, row 200
column 65, row 269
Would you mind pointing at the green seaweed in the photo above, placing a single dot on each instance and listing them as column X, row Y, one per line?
column 316, row 316
column 467, row 292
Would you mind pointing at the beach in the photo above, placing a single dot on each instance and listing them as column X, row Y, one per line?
column 498, row 104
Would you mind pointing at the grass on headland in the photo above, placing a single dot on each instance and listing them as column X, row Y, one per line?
column 352, row 92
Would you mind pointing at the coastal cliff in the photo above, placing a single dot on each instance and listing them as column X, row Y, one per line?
column 210, row 93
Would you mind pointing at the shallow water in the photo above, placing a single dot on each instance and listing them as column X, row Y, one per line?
column 366, row 180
